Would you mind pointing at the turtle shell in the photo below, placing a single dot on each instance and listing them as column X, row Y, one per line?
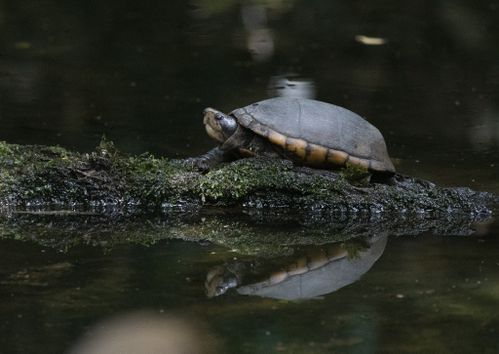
column 317, row 133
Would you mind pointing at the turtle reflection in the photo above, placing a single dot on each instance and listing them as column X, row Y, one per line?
column 319, row 270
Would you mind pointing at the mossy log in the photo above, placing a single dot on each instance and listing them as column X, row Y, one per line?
column 106, row 180
column 59, row 199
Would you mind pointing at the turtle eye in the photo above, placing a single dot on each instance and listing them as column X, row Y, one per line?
column 218, row 116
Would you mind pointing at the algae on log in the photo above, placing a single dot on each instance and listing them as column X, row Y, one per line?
column 52, row 177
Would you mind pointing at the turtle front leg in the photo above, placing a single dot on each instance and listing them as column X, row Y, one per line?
column 212, row 158
column 229, row 150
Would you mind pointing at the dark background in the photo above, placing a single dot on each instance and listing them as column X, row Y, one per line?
column 140, row 73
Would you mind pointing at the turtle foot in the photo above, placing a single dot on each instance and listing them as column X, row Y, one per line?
column 199, row 163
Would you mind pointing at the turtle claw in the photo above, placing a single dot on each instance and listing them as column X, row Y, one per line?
column 203, row 165
column 209, row 160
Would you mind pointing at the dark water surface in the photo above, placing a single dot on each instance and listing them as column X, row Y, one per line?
column 140, row 73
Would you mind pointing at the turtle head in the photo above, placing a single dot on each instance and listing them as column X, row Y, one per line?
column 219, row 126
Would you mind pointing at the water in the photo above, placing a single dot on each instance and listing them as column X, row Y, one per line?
column 426, row 74
column 424, row 293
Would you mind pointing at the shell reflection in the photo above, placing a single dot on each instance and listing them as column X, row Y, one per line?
column 319, row 270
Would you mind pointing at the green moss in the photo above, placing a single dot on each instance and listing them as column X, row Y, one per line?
column 5, row 150
column 275, row 193
column 355, row 174
column 53, row 176
column 238, row 180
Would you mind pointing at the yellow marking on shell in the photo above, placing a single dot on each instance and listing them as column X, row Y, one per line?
column 337, row 157
column 297, row 146
column 317, row 154
column 298, row 267
column 336, row 252
column 317, row 259
column 358, row 162
column 278, row 277
column 277, row 138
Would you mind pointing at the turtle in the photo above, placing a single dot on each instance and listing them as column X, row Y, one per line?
column 316, row 271
column 309, row 132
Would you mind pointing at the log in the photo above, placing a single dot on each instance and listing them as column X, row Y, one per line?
column 51, row 178
column 59, row 198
